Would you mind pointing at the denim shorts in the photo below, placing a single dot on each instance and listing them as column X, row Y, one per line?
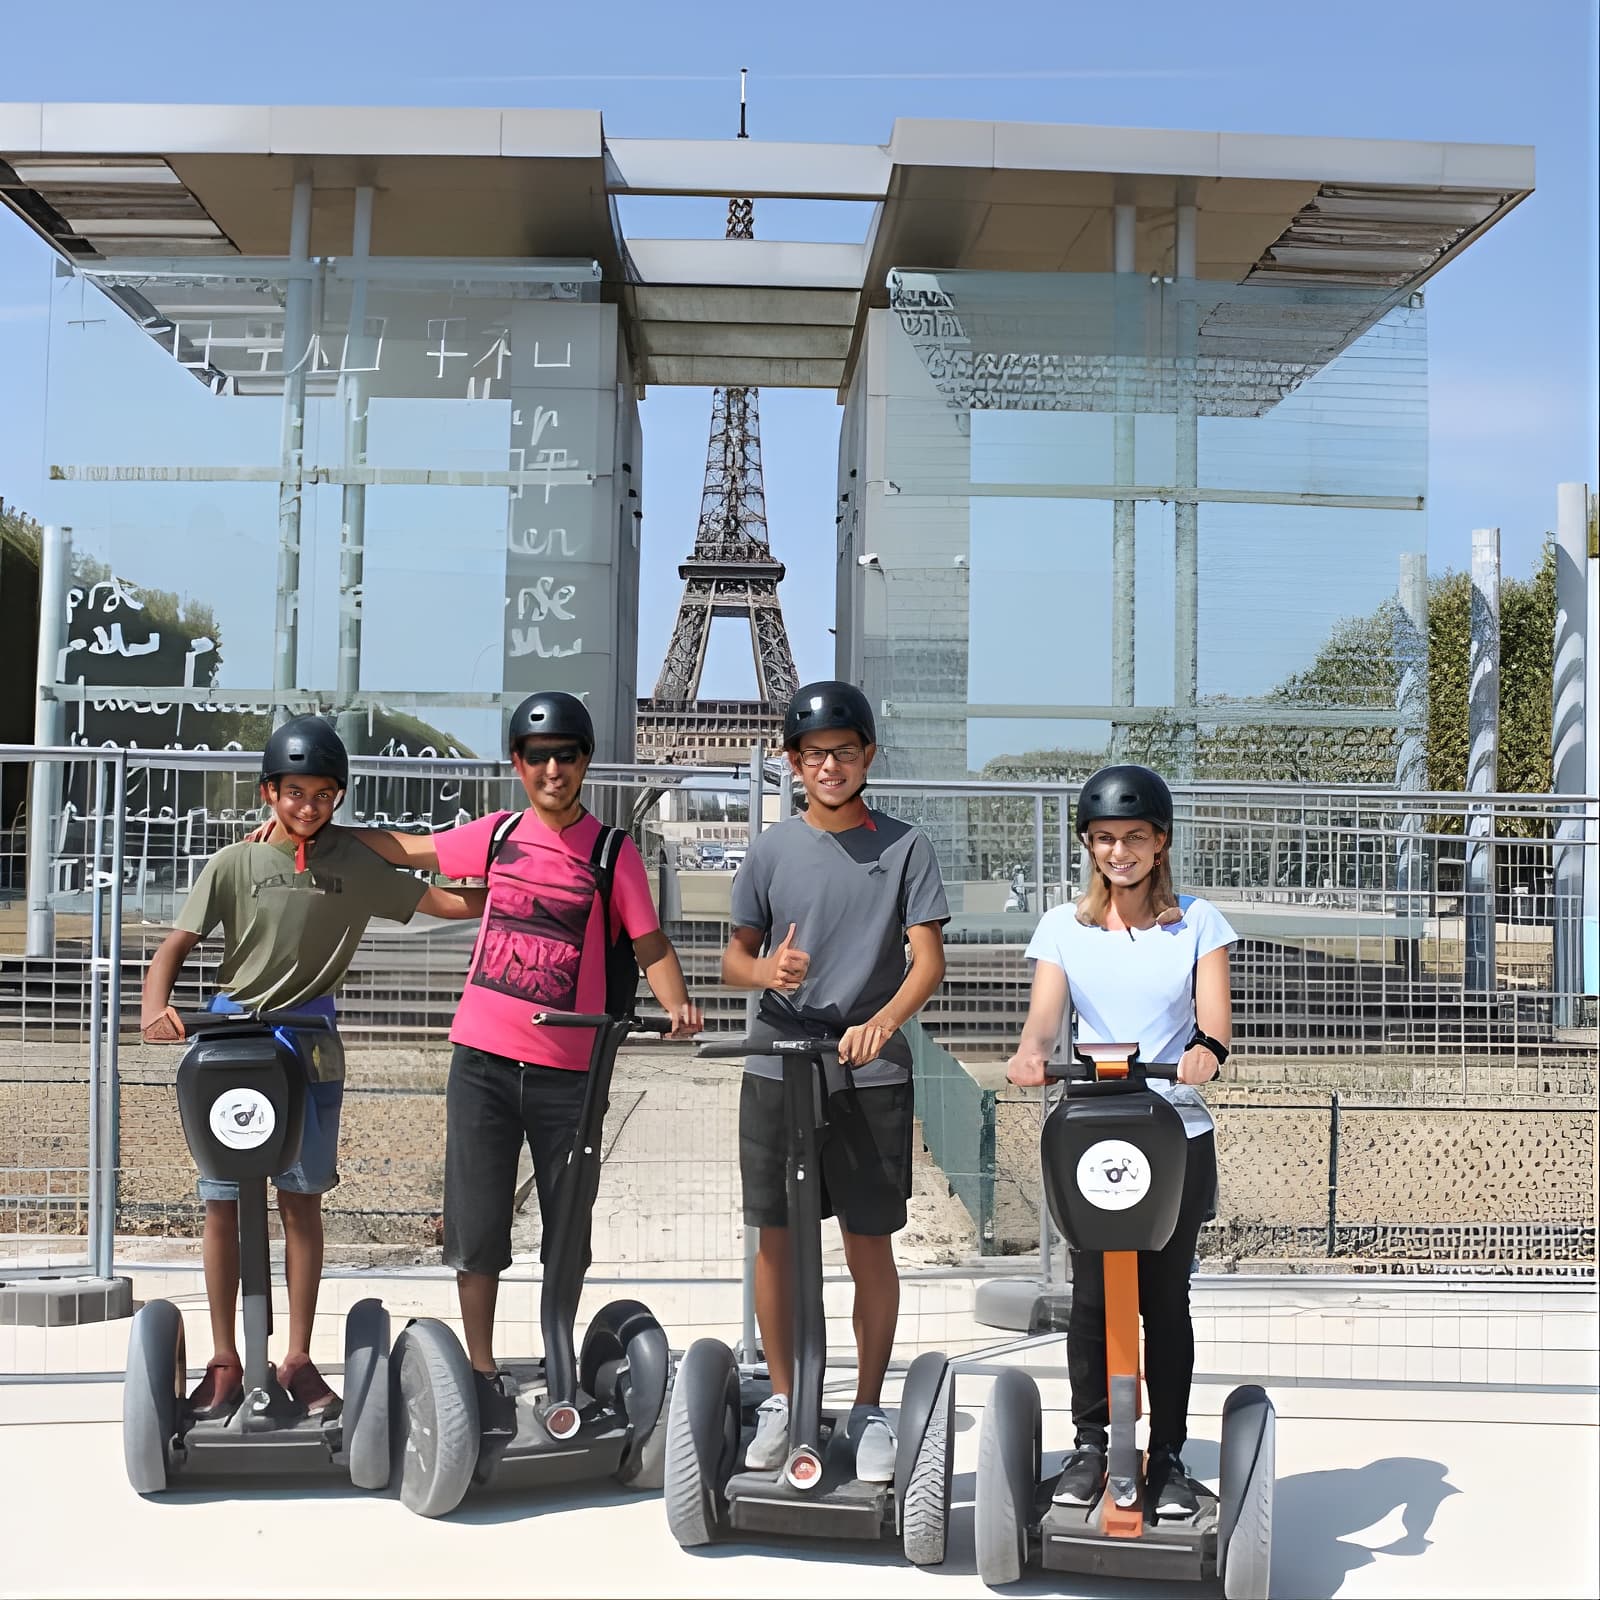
column 317, row 1170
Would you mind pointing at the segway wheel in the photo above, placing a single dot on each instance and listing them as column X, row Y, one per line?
column 1249, row 1465
column 1009, row 1459
column 925, row 1512
column 366, row 1394
column 435, row 1412
column 152, row 1391
column 702, row 1441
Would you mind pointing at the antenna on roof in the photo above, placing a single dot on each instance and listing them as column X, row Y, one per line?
column 742, row 72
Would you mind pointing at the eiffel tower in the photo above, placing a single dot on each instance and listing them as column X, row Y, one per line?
column 732, row 573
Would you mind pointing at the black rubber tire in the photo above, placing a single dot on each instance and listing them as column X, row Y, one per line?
column 925, row 1517
column 366, row 1394
column 1246, row 1482
column 1009, row 1445
column 151, row 1393
column 702, row 1441
column 434, row 1418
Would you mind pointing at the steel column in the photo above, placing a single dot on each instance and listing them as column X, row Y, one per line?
column 354, row 384
column 1483, row 733
column 1185, row 513
column 1124, row 236
column 297, row 355
column 49, row 728
column 99, row 1265
column 1568, row 739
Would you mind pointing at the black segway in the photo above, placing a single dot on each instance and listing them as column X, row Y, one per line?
column 1113, row 1156
column 241, row 1096
column 815, row 1492
column 599, row 1412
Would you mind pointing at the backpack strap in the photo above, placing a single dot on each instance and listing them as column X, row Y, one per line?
column 603, row 858
column 503, row 830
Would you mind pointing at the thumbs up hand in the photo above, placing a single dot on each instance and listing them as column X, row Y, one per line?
column 786, row 967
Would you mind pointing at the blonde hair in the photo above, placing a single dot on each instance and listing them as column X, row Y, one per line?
column 1095, row 901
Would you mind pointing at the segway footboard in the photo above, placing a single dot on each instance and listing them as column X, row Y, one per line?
column 1070, row 1540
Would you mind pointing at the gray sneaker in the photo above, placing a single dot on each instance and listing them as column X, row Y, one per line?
column 770, row 1448
column 868, row 1431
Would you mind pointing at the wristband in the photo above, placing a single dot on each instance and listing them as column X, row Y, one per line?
column 1220, row 1051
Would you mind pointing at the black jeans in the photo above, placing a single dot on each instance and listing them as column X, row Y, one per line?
column 491, row 1106
column 1164, row 1302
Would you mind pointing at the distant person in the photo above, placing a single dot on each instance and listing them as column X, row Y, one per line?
column 292, row 905
column 1136, row 961
column 823, row 910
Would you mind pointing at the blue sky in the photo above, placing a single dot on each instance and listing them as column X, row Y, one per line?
column 1511, row 326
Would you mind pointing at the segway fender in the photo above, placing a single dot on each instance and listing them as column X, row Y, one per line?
column 917, row 1399
column 1245, row 1478
column 649, row 1369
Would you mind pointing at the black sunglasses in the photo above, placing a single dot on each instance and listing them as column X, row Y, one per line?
column 564, row 755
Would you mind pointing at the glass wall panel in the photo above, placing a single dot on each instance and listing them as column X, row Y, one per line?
column 462, row 436
column 1252, row 457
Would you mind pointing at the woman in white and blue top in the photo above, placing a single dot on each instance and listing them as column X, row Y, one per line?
column 1134, row 960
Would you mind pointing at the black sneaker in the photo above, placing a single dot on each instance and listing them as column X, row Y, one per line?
column 497, row 1420
column 1082, row 1478
column 1168, row 1493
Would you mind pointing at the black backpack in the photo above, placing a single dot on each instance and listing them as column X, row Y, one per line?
column 622, row 965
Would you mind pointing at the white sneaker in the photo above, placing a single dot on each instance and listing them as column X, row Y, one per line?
column 875, row 1444
column 770, row 1448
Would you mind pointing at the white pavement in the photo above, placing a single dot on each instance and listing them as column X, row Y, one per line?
column 1392, row 1486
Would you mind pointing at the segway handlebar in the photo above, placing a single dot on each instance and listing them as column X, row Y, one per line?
column 1086, row 1057
column 717, row 1049
column 227, row 1021
column 587, row 1019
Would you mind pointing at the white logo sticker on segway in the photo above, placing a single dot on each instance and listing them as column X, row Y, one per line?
column 1113, row 1175
column 242, row 1119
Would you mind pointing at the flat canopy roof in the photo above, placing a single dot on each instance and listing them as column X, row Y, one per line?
column 101, row 183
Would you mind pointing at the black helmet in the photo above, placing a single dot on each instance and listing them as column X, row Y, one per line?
column 551, row 712
column 825, row 705
column 1125, row 794
column 306, row 744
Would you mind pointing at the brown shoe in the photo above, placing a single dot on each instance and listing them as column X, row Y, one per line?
column 219, row 1392
column 307, row 1387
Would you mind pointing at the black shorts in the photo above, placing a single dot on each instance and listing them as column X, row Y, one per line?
column 491, row 1106
column 866, row 1173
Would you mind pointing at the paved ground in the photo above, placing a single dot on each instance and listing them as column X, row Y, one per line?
column 1403, row 1477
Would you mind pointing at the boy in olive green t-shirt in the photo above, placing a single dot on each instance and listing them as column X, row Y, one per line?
column 292, row 910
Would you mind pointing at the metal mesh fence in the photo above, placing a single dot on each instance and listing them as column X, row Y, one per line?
column 1466, row 1127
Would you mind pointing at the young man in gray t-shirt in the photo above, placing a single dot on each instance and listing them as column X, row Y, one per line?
column 823, row 909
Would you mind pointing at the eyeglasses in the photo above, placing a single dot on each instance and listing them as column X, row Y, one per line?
column 845, row 754
column 564, row 755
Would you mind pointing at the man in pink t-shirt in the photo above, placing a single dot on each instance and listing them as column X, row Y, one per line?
column 541, row 947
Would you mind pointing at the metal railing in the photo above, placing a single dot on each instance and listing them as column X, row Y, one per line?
column 1350, row 976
